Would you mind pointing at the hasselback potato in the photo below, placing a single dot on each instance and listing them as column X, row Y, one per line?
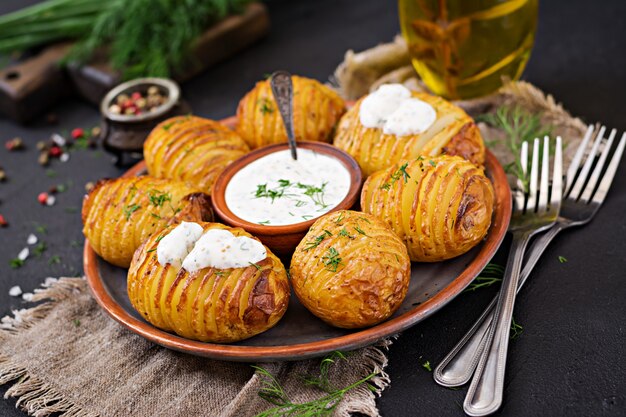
column 316, row 110
column 350, row 270
column 191, row 149
column 452, row 133
column 216, row 305
column 441, row 207
column 118, row 215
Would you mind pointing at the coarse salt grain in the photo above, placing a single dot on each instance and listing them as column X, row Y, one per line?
column 64, row 157
column 50, row 200
column 15, row 291
column 27, row 296
column 32, row 239
column 23, row 254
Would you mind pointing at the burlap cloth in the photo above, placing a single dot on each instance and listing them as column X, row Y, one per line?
column 66, row 356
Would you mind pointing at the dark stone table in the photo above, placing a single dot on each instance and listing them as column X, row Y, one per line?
column 570, row 358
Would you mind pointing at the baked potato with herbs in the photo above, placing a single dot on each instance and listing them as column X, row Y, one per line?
column 440, row 207
column 350, row 270
column 191, row 149
column 118, row 215
column 210, row 305
column 316, row 110
column 452, row 133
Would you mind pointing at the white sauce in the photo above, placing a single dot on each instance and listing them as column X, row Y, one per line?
column 189, row 247
column 177, row 244
column 392, row 109
column 221, row 249
column 302, row 190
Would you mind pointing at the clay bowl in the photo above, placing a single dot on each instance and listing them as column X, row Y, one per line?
column 282, row 240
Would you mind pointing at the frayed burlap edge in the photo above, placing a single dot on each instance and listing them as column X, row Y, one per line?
column 40, row 399
column 34, row 396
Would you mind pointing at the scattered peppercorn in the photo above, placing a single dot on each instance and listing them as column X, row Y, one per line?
column 42, row 197
column 3, row 175
column 137, row 103
column 95, row 132
column 14, row 144
column 42, row 145
column 43, row 159
column 55, row 152
column 89, row 186
column 77, row 133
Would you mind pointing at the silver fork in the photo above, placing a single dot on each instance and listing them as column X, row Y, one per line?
column 457, row 367
column 530, row 216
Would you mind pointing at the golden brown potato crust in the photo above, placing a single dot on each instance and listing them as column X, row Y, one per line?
column 192, row 149
column 118, row 215
column 350, row 270
column 453, row 133
column 316, row 110
column 210, row 305
column 440, row 207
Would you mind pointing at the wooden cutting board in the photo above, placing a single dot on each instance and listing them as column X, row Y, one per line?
column 33, row 85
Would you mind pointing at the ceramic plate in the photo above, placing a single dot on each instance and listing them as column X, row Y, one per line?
column 299, row 334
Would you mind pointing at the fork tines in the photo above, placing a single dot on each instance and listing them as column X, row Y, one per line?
column 542, row 202
column 579, row 184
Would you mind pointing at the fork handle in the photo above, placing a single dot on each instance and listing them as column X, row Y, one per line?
column 459, row 364
column 485, row 392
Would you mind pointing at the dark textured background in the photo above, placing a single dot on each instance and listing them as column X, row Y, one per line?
column 569, row 359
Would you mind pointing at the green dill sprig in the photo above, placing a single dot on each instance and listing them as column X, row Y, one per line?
column 316, row 242
column 332, row 260
column 516, row 329
column 491, row 274
column 399, row 173
column 322, row 380
column 359, row 230
column 272, row 392
column 519, row 126
column 158, row 198
column 344, row 233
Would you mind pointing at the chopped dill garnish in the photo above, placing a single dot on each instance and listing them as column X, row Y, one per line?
column 331, row 260
column 316, row 242
column 401, row 173
column 432, row 163
column 339, row 218
column 159, row 239
column 157, row 198
column 426, row 365
column 386, row 186
column 343, row 232
column 562, row 259
column 264, row 222
column 358, row 229
column 129, row 210
column 266, row 106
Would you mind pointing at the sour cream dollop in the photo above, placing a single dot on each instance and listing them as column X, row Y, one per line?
column 177, row 244
column 190, row 247
column 221, row 249
column 392, row 109
column 276, row 190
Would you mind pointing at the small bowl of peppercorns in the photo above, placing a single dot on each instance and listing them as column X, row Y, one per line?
column 132, row 109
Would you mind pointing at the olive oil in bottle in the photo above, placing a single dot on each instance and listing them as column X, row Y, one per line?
column 463, row 48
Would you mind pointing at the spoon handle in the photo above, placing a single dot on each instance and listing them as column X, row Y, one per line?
column 282, row 88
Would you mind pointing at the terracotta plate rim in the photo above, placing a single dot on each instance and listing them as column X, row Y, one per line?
column 365, row 337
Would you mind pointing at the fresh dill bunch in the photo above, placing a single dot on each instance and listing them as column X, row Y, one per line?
column 520, row 126
column 151, row 37
column 272, row 392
